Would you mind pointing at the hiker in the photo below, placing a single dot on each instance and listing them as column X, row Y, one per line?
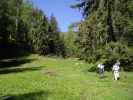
column 101, row 70
column 116, row 68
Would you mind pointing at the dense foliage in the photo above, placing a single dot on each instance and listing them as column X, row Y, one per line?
column 106, row 31
column 29, row 28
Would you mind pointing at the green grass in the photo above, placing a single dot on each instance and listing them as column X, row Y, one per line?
column 43, row 78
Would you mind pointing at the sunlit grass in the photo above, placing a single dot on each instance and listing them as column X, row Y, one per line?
column 47, row 78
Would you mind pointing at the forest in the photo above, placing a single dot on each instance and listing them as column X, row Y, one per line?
column 105, row 34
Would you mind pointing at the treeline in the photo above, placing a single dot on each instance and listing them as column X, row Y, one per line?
column 106, row 32
column 27, row 28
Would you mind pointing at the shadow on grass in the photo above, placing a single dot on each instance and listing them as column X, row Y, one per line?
column 7, row 63
column 41, row 95
column 19, row 69
column 103, row 77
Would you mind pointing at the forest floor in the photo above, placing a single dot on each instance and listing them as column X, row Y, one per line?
column 44, row 78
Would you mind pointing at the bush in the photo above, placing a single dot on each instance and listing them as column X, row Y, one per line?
column 117, row 51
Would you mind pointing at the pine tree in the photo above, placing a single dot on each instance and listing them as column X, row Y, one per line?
column 106, row 24
column 56, row 45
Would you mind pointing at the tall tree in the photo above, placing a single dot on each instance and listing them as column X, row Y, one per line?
column 55, row 42
column 39, row 32
column 5, row 20
column 105, row 21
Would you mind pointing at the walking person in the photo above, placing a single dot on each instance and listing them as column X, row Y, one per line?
column 100, row 70
column 115, row 69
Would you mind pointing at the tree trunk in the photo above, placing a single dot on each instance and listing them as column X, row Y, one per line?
column 110, row 31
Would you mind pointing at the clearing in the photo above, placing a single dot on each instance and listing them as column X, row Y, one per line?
column 43, row 78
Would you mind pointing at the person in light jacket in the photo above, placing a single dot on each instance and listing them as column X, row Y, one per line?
column 100, row 70
column 115, row 69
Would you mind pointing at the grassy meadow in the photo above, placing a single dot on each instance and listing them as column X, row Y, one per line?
column 44, row 78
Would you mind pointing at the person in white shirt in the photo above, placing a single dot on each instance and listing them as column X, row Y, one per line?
column 100, row 70
column 116, row 68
